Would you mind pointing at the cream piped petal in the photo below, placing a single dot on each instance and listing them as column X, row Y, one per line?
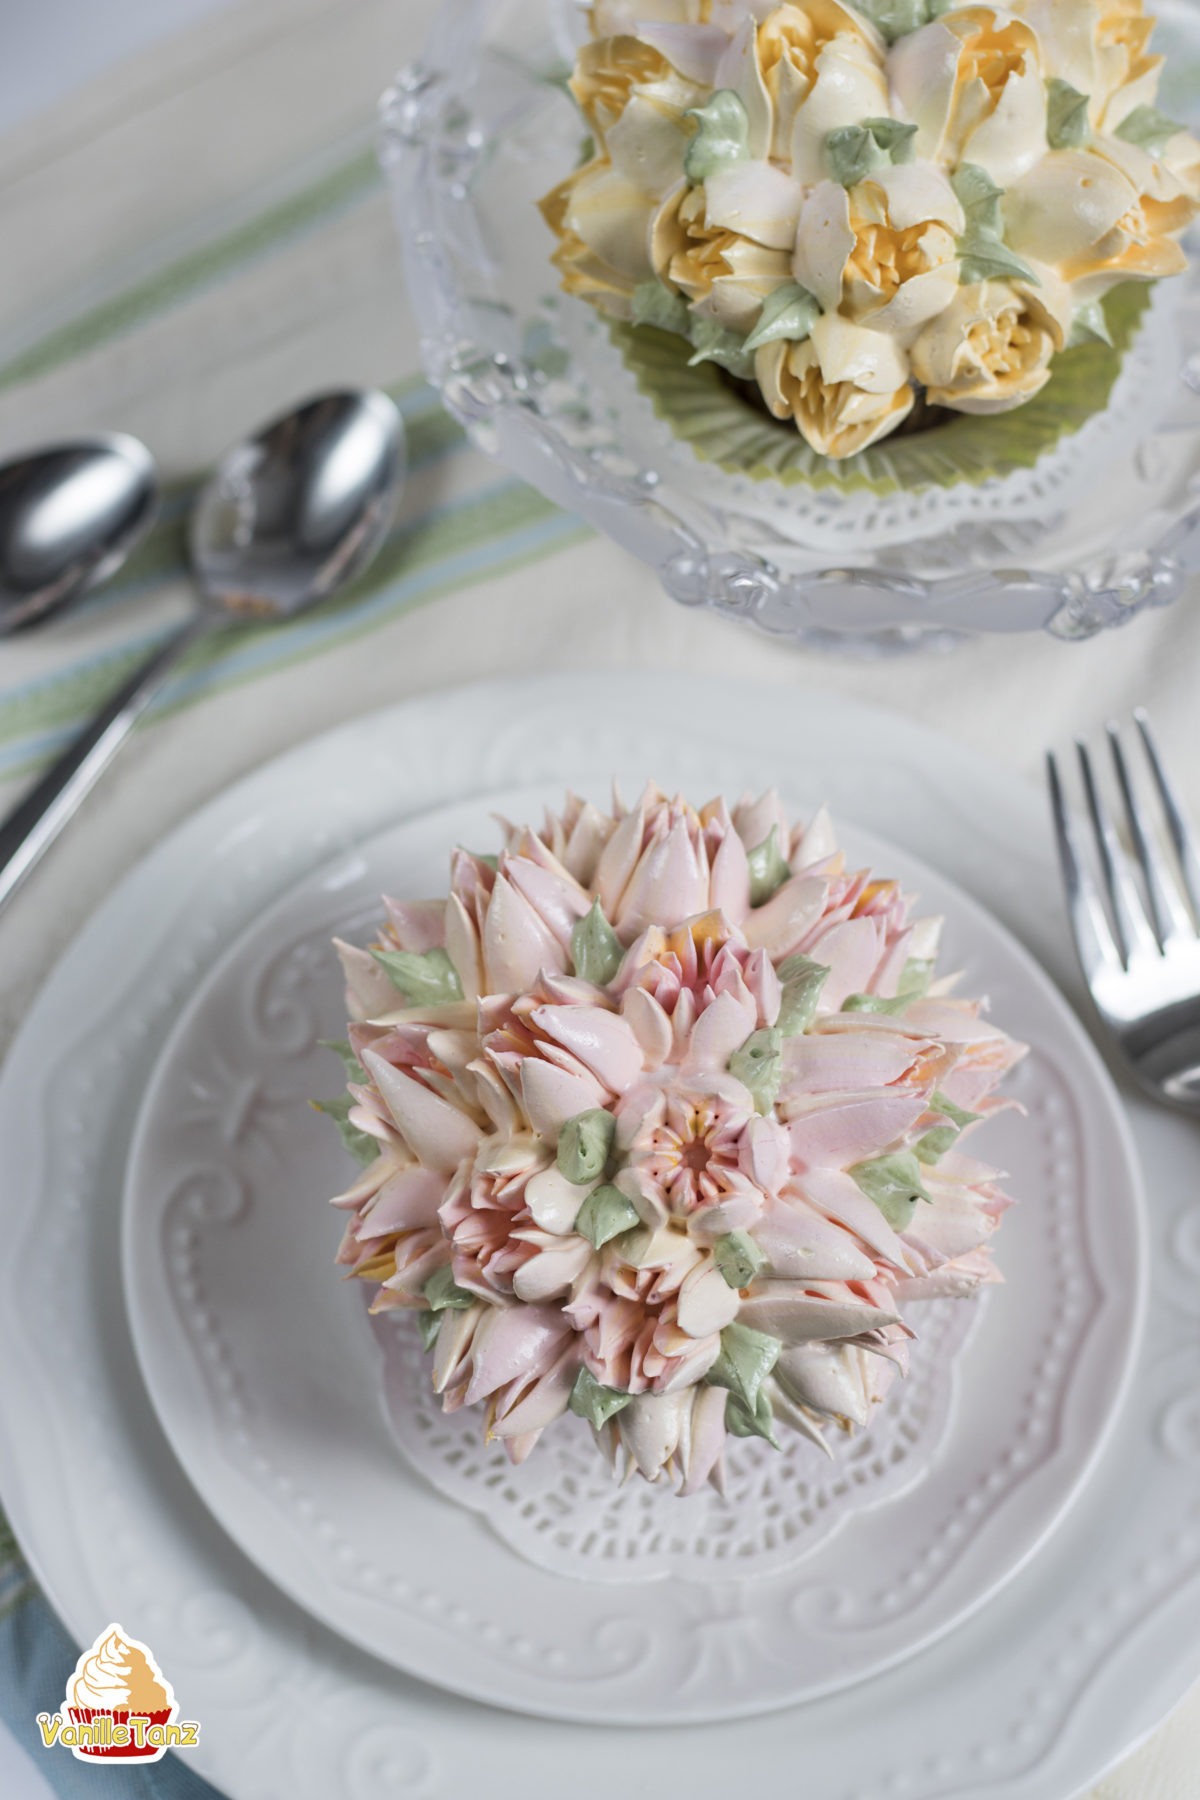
column 757, row 200
column 438, row 1134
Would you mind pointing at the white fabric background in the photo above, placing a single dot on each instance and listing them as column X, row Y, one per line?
column 311, row 69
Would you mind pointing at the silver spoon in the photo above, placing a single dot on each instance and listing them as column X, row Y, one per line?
column 69, row 517
column 287, row 519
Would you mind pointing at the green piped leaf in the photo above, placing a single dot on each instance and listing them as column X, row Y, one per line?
column 894, row 1184
column 915, row 976
column 855, row 152
column 361, row 1145
column 1067, row 126
column 722, row 136
column 742, row 1422
column 852, row 154
column 592, row 1401
column 429, row 1324
column 987, row 259
column 745, row 1360
column 875, row 1003
column 896, row 18
column 758, row 1065
column 341, row 1048
column 935, row 1143
column 426, row 978
column 790, row 312
column 802, row 978
column 654, row 304
column 1149, row 129
column 961, row 1117
column 1090, row 325
column 716, row 343
column 595, row 947
column 768, row 868
column 605, row 1214
column 983, row 254
column 444, row 1294
column 898, row 139
column 979, row 197
column 738, row 1258
column 585, row 1145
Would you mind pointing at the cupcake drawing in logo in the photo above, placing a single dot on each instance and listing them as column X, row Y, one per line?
column 118, row 1703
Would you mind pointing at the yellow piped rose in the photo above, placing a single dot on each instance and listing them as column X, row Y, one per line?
column 990, row 350
column 844, row 387
column 974, row 85
column 601, row 221
column 724, row 275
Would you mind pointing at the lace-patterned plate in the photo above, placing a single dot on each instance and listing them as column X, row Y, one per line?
column 269, row 1385
column 1081, row 1656
column 562, row 1510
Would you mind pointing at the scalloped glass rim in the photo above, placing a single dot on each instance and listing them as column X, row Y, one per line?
column 481, row 126
column 704, row 411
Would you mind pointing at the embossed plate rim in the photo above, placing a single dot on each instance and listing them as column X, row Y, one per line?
column 1101, row 1663
column 180, row 1333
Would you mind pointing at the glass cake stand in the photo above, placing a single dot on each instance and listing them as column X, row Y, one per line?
column 1102, row 527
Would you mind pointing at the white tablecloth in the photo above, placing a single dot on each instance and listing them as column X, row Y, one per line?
column 195, row 239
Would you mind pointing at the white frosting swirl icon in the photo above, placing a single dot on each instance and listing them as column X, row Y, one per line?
column 118, row 1676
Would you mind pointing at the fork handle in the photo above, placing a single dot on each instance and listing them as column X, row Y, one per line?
column 33, row 825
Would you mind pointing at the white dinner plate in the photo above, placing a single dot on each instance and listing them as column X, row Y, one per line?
column 1072, row 1663
column 269, row 1385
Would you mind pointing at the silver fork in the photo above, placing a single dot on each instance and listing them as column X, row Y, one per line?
column 1140, row 954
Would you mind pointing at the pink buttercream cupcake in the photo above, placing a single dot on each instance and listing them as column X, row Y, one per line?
column 662, row 1117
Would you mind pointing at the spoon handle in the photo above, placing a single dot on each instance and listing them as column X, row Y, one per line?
column 32, row 827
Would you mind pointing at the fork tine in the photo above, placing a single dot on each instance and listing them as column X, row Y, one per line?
column 1181, row 837
column 1167, row 912
column 1134, row 935
column 1093, row 938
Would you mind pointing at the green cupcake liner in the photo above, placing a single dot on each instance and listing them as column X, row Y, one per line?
column 722, row 428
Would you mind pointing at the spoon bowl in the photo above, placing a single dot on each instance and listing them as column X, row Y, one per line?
column 69, row 517
column 300, row 509
column 289, row 517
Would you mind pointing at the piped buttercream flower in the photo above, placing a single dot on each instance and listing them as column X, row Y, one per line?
column 661, row 1116
column 844, row 386
column 973, row 83
column 990, row 350
column 884, row 251
column 820, row 66
column 600, row 218
column 723, row 272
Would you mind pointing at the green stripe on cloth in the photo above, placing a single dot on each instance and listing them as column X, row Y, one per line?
column 487, row 534
column 344, row 186
column 60, row 700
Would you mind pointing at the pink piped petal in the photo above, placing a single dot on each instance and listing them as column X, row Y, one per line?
column 850, row 952
column 409, row 1199
column 419, row 925
column 514, row 1342
column 602, row 1041
column 551, row 1096
column 849, row 1128
column 517, row 943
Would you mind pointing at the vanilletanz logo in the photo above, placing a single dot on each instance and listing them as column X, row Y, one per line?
column 118, row 1703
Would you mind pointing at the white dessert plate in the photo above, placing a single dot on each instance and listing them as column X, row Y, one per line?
column 1078, row 1657
column 269, row 1384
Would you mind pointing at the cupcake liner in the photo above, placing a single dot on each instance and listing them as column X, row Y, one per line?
column 722, row 428
column 88, row 1715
